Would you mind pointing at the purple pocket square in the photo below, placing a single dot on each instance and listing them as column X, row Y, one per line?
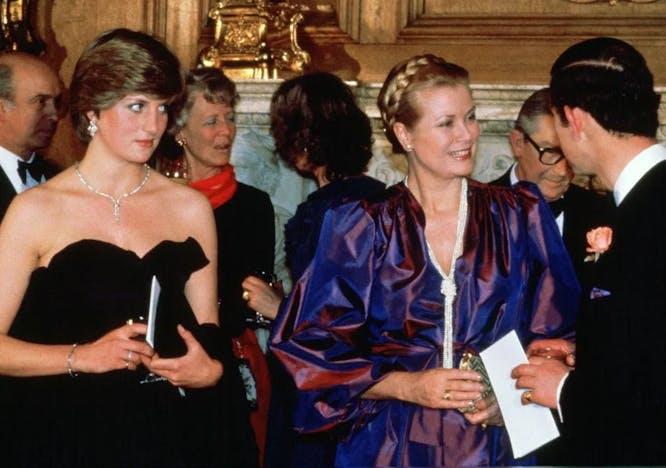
column 597, row 293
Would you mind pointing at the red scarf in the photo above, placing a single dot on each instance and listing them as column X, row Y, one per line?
column 219, row 188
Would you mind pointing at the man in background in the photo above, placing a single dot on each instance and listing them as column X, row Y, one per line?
column 539, row 159
column 30, row 95
column 613, row 403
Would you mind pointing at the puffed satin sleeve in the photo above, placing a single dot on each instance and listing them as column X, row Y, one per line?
column 319, row 336
column 553, row 304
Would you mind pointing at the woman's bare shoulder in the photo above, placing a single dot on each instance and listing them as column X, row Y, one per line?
column 37, row 202
column 179, row 192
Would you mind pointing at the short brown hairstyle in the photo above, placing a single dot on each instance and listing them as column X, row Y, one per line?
column 215, row 88
column 610, row 79
column 396, row 98
column 117, row 63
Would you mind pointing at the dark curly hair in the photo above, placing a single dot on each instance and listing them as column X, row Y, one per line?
column 316, row 114
column 609, row 79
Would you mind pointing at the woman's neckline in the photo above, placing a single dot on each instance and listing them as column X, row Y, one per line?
column 111, row 245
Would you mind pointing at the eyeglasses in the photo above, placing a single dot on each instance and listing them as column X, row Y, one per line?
column 548, row 156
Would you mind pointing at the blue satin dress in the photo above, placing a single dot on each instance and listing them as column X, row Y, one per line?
column 370, row 304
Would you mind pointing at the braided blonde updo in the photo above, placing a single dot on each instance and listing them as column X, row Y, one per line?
column 396, row 99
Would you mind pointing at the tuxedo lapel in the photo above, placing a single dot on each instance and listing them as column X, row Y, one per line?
column 503, row 181
column 584, row 210
column 7, row 193
column 620, row 339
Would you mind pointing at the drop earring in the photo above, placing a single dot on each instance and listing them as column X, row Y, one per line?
column 92, row 128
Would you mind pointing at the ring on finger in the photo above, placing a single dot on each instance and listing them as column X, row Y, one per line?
column 246, row 295
column 447, row 395
column 470, row 408
column 129, row 355
column 527, row 396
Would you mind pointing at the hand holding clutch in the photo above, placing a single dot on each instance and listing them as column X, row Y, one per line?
column 473, row 362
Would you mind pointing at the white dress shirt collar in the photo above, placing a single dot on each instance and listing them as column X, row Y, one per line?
column 9, row 163
column 513, row 177
column 636, row 169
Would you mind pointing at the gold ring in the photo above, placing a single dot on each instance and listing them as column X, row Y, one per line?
column 528, row 396
column 246, row 295
column 447, row 396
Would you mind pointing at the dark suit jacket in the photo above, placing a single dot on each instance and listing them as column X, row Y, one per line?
column 7, row 192
column 614, row 403
column 583, row 210
column 246, row 243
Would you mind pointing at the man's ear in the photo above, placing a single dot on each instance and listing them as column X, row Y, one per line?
column 576, row 119
column 517, row 142
column 5, row 107
column 403, row 136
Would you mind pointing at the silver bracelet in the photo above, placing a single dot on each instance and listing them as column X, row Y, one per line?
column 69, row 361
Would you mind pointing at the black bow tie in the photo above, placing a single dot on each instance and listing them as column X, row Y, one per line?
column 557, row 206
column 35, row 169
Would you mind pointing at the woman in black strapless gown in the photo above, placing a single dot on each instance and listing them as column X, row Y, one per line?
column 77, row 255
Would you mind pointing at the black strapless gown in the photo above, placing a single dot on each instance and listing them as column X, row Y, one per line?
column 111, row 419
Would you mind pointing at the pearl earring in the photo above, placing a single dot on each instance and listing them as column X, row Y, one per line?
column 92, row 128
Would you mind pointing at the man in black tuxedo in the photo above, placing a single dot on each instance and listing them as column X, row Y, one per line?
column 539, row 159
column 614, row 403
column 30, row 94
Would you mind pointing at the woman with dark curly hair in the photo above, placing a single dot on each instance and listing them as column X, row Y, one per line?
column 321, row 132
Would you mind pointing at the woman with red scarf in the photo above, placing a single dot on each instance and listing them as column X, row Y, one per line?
column 205, row 130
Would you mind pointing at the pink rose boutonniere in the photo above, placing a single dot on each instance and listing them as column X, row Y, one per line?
column 598, row 241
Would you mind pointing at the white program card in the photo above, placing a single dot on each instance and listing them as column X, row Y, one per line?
column 529, row 426
column 155, row 290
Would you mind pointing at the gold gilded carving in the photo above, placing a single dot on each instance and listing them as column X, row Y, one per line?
column 16, row 31
column 242, row 33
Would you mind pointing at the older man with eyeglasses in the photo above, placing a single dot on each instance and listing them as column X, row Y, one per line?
column 539, row 159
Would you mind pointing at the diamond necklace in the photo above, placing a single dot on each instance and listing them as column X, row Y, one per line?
column 114, row 201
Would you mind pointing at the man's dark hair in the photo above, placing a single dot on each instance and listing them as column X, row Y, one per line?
column 316, row 114
column 609, row 79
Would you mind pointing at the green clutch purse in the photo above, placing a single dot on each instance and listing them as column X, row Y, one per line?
column 473, row 362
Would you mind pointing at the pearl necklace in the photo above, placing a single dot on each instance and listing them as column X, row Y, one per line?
column 448, row 287
column 114, row 201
